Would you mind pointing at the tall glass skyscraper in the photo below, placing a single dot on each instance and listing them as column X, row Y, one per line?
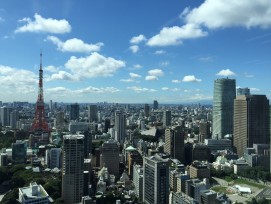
column 224, row 95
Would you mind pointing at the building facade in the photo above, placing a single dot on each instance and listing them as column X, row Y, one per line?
column 224, row 95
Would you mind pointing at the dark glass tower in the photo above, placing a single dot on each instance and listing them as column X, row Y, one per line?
column 224, row 95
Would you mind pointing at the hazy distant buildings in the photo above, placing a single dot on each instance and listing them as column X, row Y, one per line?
column 243, row 91
column 73, row 168
column 224, row 95
column 156, row 180
column 155, row 105
column 251, row 121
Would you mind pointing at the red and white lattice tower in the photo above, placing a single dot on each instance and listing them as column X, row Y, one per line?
column 40, row 123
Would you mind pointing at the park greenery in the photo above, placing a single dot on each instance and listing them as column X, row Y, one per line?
column 18, row 176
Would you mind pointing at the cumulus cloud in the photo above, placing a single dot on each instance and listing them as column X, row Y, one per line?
column 46, row 25
column 64, row 91
column 156, row 72
column 255, row 89
column 17, row 80
column 151, row 78
column 94, row 65
column 134, row 75
column 165, row 88
column 137, row 39
column 74, row 45
column 127, row 80
column 176, row 81
column 191, row 78
column 222, row 14
column 226, row 73
column 134, row 48
column 175, row 35
column 51, row 68
column 63, row 75
column 139, row 89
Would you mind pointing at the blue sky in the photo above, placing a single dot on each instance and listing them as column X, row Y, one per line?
column 133, row 51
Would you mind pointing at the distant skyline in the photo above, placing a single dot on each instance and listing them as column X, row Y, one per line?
column 133, row 51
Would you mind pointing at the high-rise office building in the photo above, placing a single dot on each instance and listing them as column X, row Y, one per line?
column 106, row 125
column 155, row 105
column 167, row 118
column 92, row 113
column 73, row 168
column 14, row 117
column 146, row 110
column 243, row 91
column 174, row 142
column 156, row 180
column 5, row 115
column 120, row 126
column 224, row 95
column 110, row 157
column 19, row 152
column 204, row 131
column 251, row 122
column 74, row 111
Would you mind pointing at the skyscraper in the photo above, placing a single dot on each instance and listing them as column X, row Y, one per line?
column 19, row 152
column 146, row 110
column 224, row 95
column 243, row 91
column 174, row 143
column 92, row 113
column 120, row 126
column 155, row 180
column 5, row 115
column 155, row 105
column 110, row 157
column 251, row 122
column 14, row 117
column 74, row 112
column 167, row 118
column 73, row 168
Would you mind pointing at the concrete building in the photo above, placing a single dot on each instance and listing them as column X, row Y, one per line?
column 138, row 180
column 75, row 126
column 174, row 142
column 224, row 95
column 204, row 131
column 34, row 194
column 19, row 152
column 155, row 105
column 156, row 180
column 181, row 198
column 92, row 113
column 110, row 157
column 251, row 122
column 199, row 170
column 208, row 196
column 120, row 126
column 146, row 110
column 53, row 158
column 14, row 117
column 193, row 188
column 201, row 152
column 243, row 91
column 59, row 121
column 73, row 168
column 215, row 145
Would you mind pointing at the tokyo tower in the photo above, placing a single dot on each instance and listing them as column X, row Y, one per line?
column 40, row 124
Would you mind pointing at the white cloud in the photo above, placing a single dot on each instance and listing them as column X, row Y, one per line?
column 74, row 45
column 137, row 39
column 41, row 24
column 138, row 89
column 134, row 75
column 137, row 66
column 57, row 90
column 17, row 80
column 127, row 80
column 247, row 75
column 222, row 14
column 174, row 35
column 134, row 48
column 164, row 64
column 225, row 73
column 165, row 88
column 91, row 89
column 51, row 68
column 94, row 65
column 63, row 75
column 255, row 89
column 191, row 78
column 160, row 52
column 151, row 78
column 176, row 81
column 206, row 59
column 156, row 72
